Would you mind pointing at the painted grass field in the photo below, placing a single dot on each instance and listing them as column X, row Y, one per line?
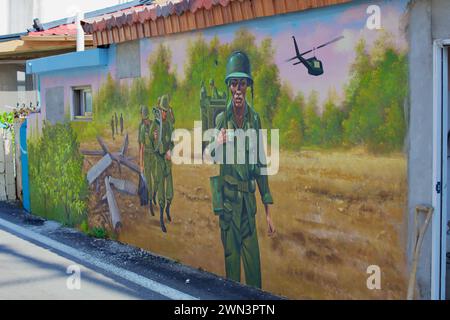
column 336, row 213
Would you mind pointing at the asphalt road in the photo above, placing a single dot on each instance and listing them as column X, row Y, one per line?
column 28, row 271
column 41, row 259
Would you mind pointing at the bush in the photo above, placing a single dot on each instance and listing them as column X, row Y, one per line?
column 59, row 188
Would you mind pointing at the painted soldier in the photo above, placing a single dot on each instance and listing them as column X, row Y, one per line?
column 121, row 124
column 171, row 116
column 235, row 187
column 146, row 153
column 116, row 123
column 162, row 143
column 112, row 127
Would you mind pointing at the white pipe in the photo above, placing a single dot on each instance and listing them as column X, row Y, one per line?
column 80, row 31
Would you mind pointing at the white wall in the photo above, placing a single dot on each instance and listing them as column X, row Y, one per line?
column 4, row 8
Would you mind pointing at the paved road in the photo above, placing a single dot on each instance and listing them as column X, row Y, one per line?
column 28, row 271
column 35, row 256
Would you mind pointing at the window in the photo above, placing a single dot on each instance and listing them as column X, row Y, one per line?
column 82, row 103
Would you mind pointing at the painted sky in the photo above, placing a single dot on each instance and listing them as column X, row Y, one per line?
column 311, row 28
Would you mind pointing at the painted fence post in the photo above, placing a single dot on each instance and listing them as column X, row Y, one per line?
column 24, row 159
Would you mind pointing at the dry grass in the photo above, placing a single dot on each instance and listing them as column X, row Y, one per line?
column 336, row 213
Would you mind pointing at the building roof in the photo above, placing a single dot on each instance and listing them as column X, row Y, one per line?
column 36, row 44
column 161, row 17
column 19, row 50
column 58, row 36
column 65, row 29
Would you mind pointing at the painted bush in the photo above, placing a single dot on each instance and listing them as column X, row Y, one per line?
column 341, row 191
column 56, row 174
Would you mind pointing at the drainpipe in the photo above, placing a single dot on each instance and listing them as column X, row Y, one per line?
column 80, row 31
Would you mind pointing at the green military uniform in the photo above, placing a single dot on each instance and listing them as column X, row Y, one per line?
column 145, row 138
column 238, row 185
column 163, row 177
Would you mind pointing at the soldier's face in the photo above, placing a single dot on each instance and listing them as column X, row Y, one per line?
column 238, row 89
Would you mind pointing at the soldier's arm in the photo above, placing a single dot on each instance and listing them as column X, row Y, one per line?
column 141, row 157
column 172, row 115
column 171, row 144
column 153, row 142
column 220, row 124
column 141, row 148
column 262, row 180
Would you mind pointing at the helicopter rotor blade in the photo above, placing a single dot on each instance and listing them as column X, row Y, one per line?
column 324, row 45
column 291, row 59
column 297, row 51
column 330, row 42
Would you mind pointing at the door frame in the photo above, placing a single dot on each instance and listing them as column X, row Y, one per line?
column 440, row 183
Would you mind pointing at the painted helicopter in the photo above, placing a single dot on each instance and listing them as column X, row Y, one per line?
column 314, row 65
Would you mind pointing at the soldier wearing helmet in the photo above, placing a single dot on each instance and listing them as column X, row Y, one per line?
column 235, row 187
column 146, row 153
column 162, row 145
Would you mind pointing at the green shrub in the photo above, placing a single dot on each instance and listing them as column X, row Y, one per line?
column 59, row 188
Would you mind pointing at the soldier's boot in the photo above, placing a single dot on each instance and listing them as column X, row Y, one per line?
column 161, row 219
column 154, row 198
column 152, row 212
column 168, row 212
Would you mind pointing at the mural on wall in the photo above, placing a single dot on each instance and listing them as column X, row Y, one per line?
column 336, row 205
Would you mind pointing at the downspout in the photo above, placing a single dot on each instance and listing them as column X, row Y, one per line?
column 80, row 31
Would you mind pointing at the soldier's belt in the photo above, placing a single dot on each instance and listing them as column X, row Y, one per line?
column 242, row 186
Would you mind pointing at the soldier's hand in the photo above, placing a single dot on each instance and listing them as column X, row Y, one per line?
column 270, row 226
column 155, row 134
column 168, row 156
column 222, row 138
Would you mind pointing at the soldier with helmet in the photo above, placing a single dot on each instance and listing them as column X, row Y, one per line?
column 162, row 145
column 146, row 153
column 234, row 189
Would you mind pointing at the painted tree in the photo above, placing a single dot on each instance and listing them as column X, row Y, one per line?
column 379, row 82
column 56, row 174
column 289, row 118
column 138, row 94
column 109, row 97
column 332, row 118
column 392, row 132
column 267, row 84
column 313, row 125
column 162, row 77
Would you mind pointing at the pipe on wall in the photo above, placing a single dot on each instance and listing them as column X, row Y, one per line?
column 80, row 31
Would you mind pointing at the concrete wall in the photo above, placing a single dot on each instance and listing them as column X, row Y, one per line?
column 9, row 94
column 8, row 76
column 320, row 249
column 429, row 20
